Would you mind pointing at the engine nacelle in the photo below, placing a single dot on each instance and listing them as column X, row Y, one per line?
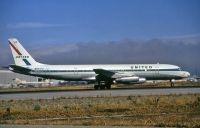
column 130, row 79
column 141, row 80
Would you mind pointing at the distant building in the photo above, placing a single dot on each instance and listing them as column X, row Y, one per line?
column 7, row 78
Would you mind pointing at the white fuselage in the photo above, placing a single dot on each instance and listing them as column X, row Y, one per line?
column 85, row 72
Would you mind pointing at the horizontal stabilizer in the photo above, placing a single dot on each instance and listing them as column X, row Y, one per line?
column 19, row 69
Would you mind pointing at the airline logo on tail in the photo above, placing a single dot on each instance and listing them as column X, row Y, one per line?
column 19, row 54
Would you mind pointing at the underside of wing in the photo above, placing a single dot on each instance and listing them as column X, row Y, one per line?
column 118, row 76
column 104, row 75
column 103, row 72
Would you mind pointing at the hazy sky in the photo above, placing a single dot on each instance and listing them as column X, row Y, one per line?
column 47, row 23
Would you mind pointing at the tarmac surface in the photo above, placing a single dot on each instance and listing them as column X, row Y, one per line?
column 97, row 93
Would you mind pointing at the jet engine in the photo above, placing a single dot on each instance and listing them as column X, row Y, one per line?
column 130, row 79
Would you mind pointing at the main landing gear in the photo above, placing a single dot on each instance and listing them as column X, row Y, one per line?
column 102, row 85
column 172, row 82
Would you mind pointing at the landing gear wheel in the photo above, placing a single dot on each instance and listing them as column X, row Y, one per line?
column 108, row 86
column 172, row 82
column 96, row 87
column 102, row 87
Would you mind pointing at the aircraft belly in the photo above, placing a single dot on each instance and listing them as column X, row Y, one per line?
column 149, row 75
column 158, row 75
column 64, row 75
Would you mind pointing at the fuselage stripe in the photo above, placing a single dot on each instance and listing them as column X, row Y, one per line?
column 117, row 70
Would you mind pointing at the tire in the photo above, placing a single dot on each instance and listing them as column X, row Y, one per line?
column 102, row 87
column 96, row 87
column 108, row 86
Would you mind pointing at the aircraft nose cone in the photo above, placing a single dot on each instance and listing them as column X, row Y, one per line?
column 186, row 74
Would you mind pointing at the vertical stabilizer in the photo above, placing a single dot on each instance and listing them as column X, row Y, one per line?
column 20, row 55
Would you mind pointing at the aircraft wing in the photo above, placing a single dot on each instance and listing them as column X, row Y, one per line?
column 103, row 72
column 118, row 76
column 111, row 74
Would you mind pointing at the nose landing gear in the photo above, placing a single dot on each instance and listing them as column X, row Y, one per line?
column 172, row 82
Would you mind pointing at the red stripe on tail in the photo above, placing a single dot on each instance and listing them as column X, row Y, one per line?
column 16, row 50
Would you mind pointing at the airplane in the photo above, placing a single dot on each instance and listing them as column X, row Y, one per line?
column 103, row 75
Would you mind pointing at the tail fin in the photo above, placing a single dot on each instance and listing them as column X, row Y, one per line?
column 20, row 55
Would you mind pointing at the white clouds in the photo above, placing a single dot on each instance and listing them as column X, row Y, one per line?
column 185, row 39
column 195, row 35
column 116, row 52
column 55, row 49
column 32, row 25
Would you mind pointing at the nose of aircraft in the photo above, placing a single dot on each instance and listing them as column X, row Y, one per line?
column 186, row 74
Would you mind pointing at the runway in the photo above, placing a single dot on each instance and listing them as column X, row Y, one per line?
column 98, row 93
